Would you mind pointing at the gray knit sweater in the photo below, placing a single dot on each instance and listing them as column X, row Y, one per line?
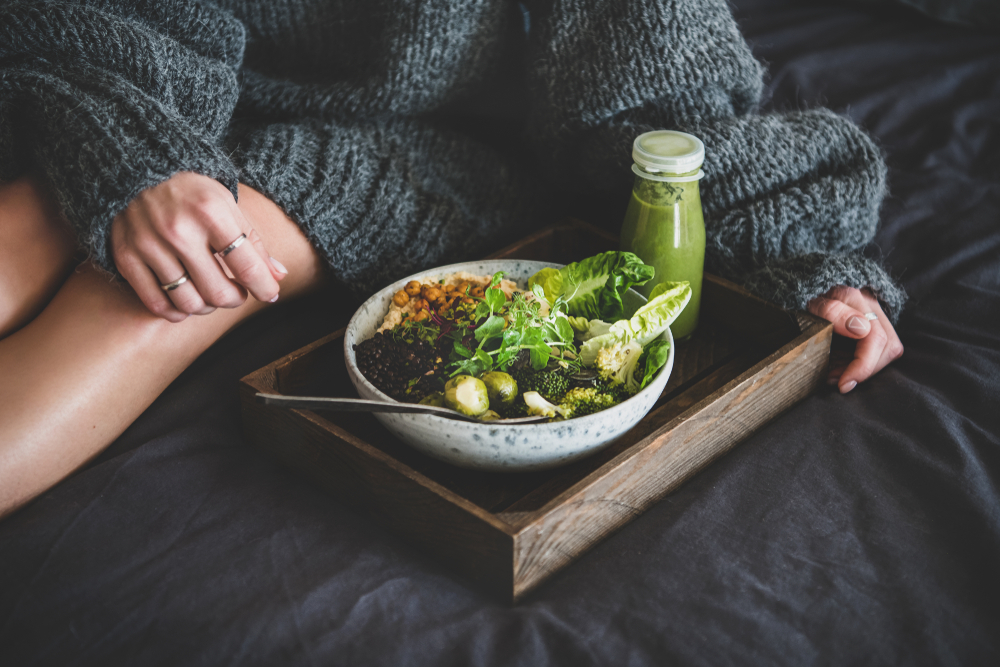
column 401, row 135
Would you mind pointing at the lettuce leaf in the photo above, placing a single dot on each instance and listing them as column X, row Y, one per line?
column 586, row 329
column 645, row 326
column 654, row 357
column 593, row 287
column 550, row 280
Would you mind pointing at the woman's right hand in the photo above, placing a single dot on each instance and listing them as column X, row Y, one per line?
column 175, row 229
column 856, row 314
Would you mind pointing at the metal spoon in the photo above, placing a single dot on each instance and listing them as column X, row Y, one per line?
column 364, row 405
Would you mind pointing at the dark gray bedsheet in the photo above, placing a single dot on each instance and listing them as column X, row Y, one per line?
column 862, row 529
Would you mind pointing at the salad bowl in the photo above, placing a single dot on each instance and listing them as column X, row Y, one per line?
column 497, row 446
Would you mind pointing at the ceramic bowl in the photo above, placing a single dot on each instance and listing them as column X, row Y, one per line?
column 493, row 446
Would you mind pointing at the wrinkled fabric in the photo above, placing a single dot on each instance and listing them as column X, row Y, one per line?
column 857, row 529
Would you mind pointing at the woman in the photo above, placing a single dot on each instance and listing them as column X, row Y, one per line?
column 202, row 151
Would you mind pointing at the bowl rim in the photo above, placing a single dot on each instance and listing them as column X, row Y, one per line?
column 593, row 418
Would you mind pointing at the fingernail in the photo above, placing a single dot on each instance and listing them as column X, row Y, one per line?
column 857, row 325
column 275, row 298
column 848, row 386
column 281, row 268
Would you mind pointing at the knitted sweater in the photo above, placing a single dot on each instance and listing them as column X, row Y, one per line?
column 401, row 135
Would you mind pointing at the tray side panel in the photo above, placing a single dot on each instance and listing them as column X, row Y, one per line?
column 626, row 486
column 372, row 483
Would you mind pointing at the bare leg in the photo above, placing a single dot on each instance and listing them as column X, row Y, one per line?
column 83, row 370
column 36, row 252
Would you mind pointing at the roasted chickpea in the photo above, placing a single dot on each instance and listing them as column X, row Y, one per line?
column 477, row 292
column 420, row 304
column 412, row 288
column 432, row 294
column 442, row 310
column 401, row 298
column 468, row 299
column 421, row 316
column 448, row 289
column 462, row 286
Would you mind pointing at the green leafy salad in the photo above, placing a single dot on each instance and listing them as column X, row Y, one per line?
column 562, row 349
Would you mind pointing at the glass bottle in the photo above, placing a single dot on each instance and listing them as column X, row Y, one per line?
column 663, row 224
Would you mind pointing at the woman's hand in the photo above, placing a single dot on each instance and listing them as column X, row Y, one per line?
column 173, row 230
column 878, row 344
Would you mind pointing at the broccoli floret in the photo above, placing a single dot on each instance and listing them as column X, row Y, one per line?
column 617, row 363
column 581, row 401
column 550, row 383
column 539, row 406
column 620, row 392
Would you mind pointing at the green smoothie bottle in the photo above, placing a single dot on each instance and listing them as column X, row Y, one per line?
column 664, row 224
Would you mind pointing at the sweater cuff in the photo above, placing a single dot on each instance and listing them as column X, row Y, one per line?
column 794, row 282
column 121, row 143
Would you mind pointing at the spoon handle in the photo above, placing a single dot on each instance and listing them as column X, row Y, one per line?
column 356, row 405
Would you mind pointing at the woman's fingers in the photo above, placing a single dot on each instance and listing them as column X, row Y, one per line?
column 187, row 296
column 278, row 270
column 850, row 311
column 885, row 349
column 207, row 275
column 847, row 321
column 867, row 359
column 147, row 287
column 249, row 265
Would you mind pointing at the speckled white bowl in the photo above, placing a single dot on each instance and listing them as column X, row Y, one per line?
column 498, row 447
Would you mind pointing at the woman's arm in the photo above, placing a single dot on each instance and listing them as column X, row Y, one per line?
column 121, row 107
column 790, row 199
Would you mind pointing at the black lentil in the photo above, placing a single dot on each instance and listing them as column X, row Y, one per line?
column 392, row 365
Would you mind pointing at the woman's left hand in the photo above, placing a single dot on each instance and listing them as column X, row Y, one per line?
column 877, row 346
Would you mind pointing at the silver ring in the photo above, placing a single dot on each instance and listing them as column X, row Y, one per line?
column 871, row 316
column 233, row 246
column 169, row 287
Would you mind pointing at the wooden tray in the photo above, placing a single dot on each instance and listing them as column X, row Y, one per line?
column 748, row 362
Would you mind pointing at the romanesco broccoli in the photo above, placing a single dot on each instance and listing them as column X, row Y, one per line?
column 551, row 384
column 581, row 401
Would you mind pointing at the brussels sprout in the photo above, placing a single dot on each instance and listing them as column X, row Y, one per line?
column 435, row 399
column 467, row 395
column 501, row 387
column 489, row 416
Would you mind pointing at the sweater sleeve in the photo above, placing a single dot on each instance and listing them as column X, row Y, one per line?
column 600, row 73
column 790, row 200
column 105, row 98
column 382, row 199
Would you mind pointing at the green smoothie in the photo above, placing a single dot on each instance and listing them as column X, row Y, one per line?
column 664, row 226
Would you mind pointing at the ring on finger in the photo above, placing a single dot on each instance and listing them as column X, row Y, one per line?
column 871, row 316
column 233, row 246
column 169, row 287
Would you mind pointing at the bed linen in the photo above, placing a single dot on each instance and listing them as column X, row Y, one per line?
column 854, row 529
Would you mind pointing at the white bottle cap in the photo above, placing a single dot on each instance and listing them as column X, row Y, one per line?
column 666, row 151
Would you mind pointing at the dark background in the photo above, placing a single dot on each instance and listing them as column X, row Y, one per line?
column 859, row 529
